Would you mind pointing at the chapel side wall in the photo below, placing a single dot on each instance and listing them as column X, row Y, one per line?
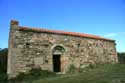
column 36, row 50
column 29, row 49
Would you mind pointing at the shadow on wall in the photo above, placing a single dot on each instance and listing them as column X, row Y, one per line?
column 3, row 60
column 121, row 57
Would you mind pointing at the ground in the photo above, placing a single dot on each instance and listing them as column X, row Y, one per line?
column 106, row 73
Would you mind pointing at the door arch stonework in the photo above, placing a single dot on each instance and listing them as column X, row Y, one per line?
column 58, row 52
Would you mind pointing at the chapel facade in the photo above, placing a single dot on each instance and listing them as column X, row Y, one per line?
column 55, row 50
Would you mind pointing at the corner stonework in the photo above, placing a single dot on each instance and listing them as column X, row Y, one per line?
column 11, row 70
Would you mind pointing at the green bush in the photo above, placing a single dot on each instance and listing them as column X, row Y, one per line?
column 92, row 66
column 72, row 69
column 3, row 60
column 3, row 77
column 33, row 74
column 3, row 65
column 121, row 57
column 41, row 73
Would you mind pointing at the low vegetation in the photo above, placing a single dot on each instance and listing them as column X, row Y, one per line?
column 121, row 57
column 3, row 60
column 3, row 65
column 33, row 74
column 104, row 73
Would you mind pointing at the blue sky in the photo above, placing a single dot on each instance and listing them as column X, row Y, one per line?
column 99, row 17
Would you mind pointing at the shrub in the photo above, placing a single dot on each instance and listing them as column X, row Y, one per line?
column 3, row 60
column 72, row 69
column 41, row 73
column 3, row 77
column 92, row 66
column 3, row 65
column 35, row 73
column 121, row 57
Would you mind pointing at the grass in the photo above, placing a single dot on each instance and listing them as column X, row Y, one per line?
column 33, row 74
column 105, row 73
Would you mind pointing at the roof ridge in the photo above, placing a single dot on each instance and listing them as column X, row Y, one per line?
column 23, row 28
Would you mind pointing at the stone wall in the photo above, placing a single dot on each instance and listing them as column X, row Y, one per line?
column 29, row 49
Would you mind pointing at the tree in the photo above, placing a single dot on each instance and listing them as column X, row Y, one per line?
column 3, row 59
column 121, row 57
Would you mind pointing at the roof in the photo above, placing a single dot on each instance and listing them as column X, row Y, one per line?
column 21, row 28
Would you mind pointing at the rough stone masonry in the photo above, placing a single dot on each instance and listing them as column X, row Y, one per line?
column 55, row 50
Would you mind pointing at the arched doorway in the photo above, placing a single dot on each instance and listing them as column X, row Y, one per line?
column 56, row 63
column 57, row 53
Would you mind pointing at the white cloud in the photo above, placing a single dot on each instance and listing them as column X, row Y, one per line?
column 119, row 37
column 111, row 35
column 123, row 32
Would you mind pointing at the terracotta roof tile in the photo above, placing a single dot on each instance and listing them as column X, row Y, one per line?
column 63, row 32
